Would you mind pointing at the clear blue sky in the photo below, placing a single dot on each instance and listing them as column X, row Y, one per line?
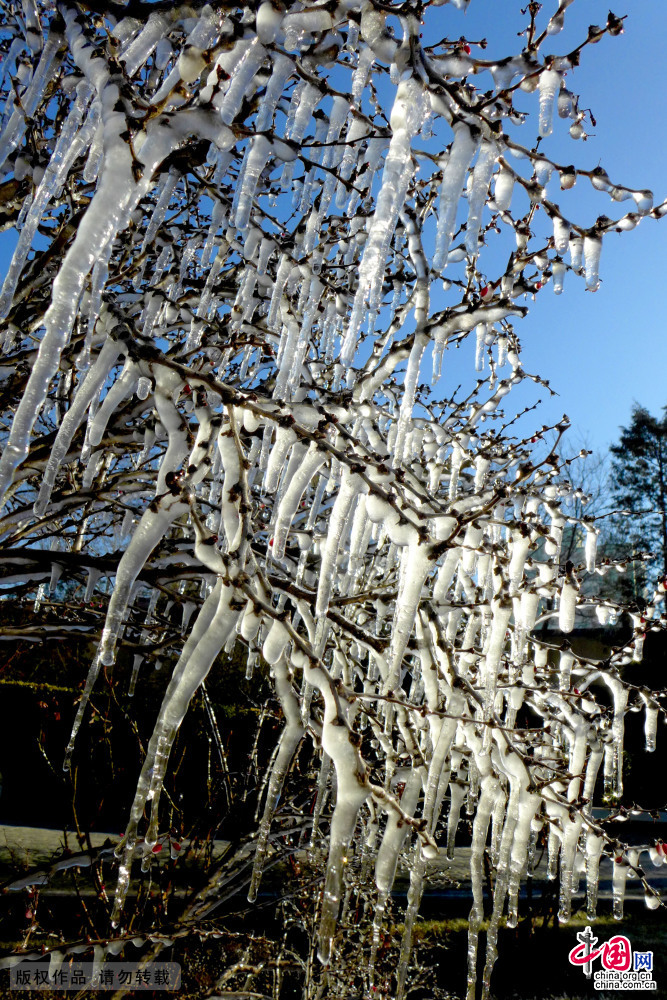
column 601, row 351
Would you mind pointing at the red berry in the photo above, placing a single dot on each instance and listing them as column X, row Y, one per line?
column 157, row 848
column 467, row 49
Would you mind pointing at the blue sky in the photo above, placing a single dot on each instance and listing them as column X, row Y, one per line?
column 601, row 351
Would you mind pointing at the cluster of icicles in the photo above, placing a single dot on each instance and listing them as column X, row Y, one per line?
column 389, row 568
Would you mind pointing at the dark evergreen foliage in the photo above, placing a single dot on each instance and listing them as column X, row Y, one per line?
column 639, row 484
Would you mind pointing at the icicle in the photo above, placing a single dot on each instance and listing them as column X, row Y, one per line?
column 594, row 846
column 619, row 876
column 406, row 117
column 592, row 250
column 558, row 273
column 104, row 213
column 255, row 160
column 528, row 806
column 83, row 702
column 64, row 153
column 620, row 697
column 569, row 843
column 462, row 151
column 502, row 192
column 477, row 197
column 608, row 772
column 416, row 566
column 493, row 651
column 242, row 75
column 565, row 670
column 214, row 624
column 283, row 68
column 14, row 131
column 134, row 55
column 120, row 390
column 409, row 391
column 289, row 504
column 549, row 87
column 351, row 485
column 521, row 807
column 152, row 527
column 351, row 792
column 96, row 149
column 561, row 234
column 576, row 252
column 8, row 68
column 651, row 711
column 159, row 212
column 138, row 660
column 97, row 282
column 415, row 892
column 567, row 607
column 395, row 833
column 309, row 97
column 88, row 390
column 456, row 796
column 592, row 769
column 39, row 597
column 289, row 741
column 591, row 548
column 490, row 796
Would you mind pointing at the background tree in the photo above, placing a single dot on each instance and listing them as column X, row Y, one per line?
column 620, row 579
column 220, row 320
column 639, row 485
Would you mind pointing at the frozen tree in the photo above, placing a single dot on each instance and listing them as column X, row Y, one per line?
column 639, row 483
column 248, row 238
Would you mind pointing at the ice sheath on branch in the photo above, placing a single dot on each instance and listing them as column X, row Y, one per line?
column 217, row 329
